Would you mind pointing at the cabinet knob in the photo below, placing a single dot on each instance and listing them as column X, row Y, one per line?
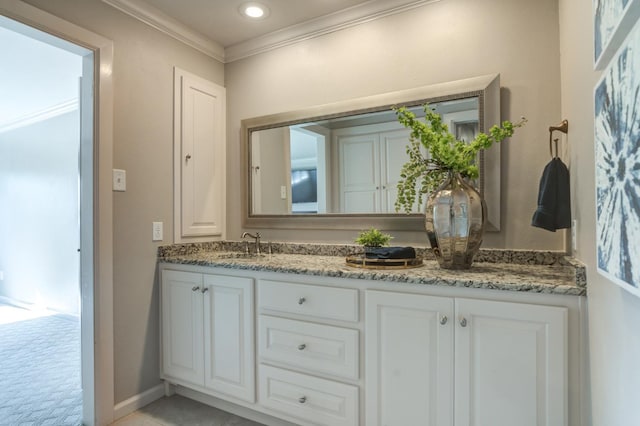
column 444, row 320
column 205, row 289
column 302, row 347
column 195, row 288
column 302, row 399
column 188, row 157
column 463, row 322
column 301, row 300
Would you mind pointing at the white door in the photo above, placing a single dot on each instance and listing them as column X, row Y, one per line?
column 510, row 364
column 200, row 156
column 229, row 336
column 394, row 154
column 182, row 330
column 409, row 360
column 359, row 162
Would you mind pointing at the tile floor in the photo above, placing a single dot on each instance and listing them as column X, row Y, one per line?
column 178, row 410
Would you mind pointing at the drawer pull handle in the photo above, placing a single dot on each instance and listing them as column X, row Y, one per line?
column 205, row 289
column 301, row 300
column 302, row 399
column 302, row 347
column 444, row 320
column 463, row 322
column 195, row 288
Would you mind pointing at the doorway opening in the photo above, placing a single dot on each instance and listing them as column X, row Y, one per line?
column 46, row 113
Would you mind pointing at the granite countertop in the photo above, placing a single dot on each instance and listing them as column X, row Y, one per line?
column 511, row 270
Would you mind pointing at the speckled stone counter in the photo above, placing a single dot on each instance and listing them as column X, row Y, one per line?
column 511, row 270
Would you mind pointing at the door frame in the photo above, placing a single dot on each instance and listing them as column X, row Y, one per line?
column 96, row 227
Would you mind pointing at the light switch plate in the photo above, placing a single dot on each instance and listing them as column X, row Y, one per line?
column 283, row 192
column 119, row 180
column 157, row 231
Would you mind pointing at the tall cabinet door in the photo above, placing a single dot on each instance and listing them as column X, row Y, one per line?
column 510, row 364
column 182, row 349
column 394, row 154
column 199, row 156
column 228, row 335
column 409, row 360
column 359, row 173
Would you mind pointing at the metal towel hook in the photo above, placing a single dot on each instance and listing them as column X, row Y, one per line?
column 562, row 127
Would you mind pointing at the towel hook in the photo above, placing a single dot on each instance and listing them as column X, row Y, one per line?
column 562, row 127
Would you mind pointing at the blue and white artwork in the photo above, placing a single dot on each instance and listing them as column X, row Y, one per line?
column 612, row 20
column 617, row 152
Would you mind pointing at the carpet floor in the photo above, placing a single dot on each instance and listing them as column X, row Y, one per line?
column 39, row 369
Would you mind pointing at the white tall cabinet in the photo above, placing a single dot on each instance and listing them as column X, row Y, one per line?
column 369, row 167
column 199, row 157
column 455, row 361
column 208, row 332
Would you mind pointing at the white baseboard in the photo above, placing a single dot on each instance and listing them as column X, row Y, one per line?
column 130, row 405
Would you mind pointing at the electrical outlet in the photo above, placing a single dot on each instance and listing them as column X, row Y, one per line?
column 574, row 235
column 119, row 180
column 157, row 231
column 283, row 192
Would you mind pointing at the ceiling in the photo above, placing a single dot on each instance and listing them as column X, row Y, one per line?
column 216, row 27
column 220, row 21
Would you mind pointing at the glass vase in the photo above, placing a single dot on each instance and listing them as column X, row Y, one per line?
column 454, row 220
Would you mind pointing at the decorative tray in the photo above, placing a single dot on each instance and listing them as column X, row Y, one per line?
column 360, row 261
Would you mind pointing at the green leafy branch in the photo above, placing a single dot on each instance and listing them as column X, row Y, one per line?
column 421, row 175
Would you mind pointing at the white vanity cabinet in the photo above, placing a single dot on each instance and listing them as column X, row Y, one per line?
column 294, row 349
column 441, row 361
column 208, row 333
column 308, row 370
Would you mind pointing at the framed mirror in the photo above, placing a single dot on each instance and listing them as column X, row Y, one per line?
column 336, row 166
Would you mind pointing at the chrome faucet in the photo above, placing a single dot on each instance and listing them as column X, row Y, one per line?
column 256, row 238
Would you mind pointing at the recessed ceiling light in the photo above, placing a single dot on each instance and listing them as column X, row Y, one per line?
column 254, row 10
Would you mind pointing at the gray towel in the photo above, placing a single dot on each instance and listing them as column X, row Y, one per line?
column 554, row 198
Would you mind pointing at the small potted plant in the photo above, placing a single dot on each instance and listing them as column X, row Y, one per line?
column 372, row 238
column 455, row 212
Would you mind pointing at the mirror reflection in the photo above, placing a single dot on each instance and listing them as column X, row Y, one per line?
column 341, row 165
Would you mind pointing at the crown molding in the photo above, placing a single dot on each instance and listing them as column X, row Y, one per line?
column 350, row 17
column 37, row 116
column 157, row 19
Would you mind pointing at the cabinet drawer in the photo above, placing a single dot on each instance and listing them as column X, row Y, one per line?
column 310, row 399
column 317, row 301
column 312, row 347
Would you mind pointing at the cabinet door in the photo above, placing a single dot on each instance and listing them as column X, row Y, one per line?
column 229, row 336
column 409, row 360
column 359, row 159
column 199, row 156
column 182, row 349
column 394, row 154
column 510, row 364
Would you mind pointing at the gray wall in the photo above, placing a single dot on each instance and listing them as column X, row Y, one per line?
column 444, row 41
column 614, row 314
column 39, row 213
column 143, row 145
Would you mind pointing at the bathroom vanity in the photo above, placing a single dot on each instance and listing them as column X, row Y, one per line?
column 306, row 339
